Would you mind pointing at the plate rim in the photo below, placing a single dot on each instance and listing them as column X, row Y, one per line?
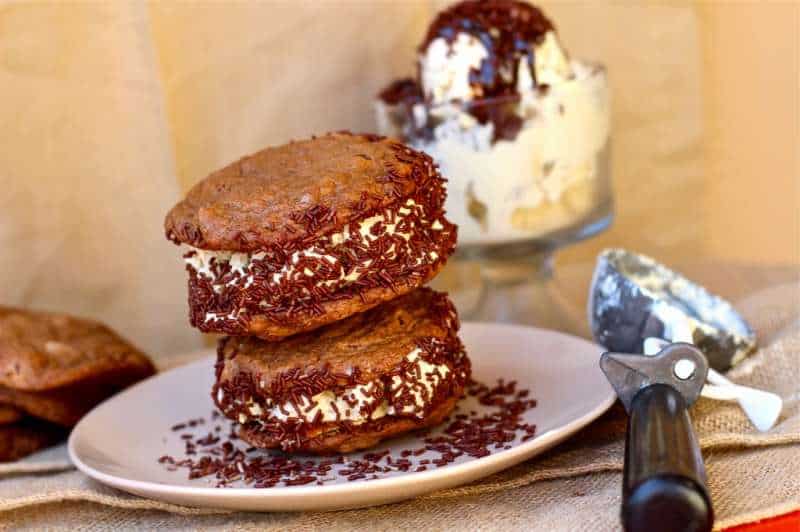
column 511, row 457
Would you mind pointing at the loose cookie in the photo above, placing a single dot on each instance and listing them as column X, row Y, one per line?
column 57, row 367
column 9, row 414
column 27, row 436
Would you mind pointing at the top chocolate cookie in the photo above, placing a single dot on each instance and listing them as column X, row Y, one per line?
column 301, row 235
column 297, row 191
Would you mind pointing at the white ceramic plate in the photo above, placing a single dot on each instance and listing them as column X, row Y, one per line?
column 120, row 441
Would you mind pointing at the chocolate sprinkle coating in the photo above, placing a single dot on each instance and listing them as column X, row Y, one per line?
column 368, row 348
column 304, row 284
column 343, row 436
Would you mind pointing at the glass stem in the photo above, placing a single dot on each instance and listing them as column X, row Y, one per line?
column 521, row 291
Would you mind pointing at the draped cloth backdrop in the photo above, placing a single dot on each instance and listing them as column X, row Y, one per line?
column 109, row 111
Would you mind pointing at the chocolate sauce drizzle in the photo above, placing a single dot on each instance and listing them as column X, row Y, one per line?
column 508, row 29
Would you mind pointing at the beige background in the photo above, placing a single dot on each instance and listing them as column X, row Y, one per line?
column 108, row 111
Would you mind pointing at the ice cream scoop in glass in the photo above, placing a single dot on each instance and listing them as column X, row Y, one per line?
column 521, row 132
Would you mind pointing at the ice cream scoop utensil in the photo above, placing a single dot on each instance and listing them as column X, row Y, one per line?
column 664, row 479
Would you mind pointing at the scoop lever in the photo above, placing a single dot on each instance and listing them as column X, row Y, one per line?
column 664, row 485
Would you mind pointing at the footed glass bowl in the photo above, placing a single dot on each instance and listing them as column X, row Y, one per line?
column 527, row 175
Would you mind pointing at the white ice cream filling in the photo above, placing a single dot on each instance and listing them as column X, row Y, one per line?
column 204, row 261
column 420, row 382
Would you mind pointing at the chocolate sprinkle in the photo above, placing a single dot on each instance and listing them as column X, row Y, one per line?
column 397, row 389
column 494, row 426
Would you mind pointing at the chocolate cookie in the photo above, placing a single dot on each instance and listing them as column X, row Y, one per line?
column 57, row 367
column 301, row 235
column 27, row 436
column 64, row 406
column 9, row 414
column 348, row 385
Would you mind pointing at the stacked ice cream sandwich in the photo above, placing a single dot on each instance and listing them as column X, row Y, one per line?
column 310, row 257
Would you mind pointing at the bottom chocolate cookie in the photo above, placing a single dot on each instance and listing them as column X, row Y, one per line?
column 347, row 386
column 27, row 436
column 9, row 414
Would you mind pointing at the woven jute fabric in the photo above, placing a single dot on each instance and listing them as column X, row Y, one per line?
column 574, row 487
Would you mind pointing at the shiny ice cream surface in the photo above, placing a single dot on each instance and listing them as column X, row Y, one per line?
column 520, row 130
column 490, row 49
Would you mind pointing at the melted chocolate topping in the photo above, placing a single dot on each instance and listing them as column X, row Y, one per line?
column 508, row 29
column 405, row 90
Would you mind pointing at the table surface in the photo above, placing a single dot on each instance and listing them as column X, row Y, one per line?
column 785, row 523
column 80, row 512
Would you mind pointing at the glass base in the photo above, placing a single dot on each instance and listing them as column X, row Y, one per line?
column 515, row 283
column 521, row 291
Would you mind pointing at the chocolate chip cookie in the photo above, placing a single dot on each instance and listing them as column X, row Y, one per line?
column 57, row 367
column 27, row 436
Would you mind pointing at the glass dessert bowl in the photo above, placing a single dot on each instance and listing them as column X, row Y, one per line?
column 521, row 132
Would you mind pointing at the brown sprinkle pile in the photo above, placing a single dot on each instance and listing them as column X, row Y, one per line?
column 487, row 420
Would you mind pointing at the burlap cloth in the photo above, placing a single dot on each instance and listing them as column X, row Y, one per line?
column 573, row 487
